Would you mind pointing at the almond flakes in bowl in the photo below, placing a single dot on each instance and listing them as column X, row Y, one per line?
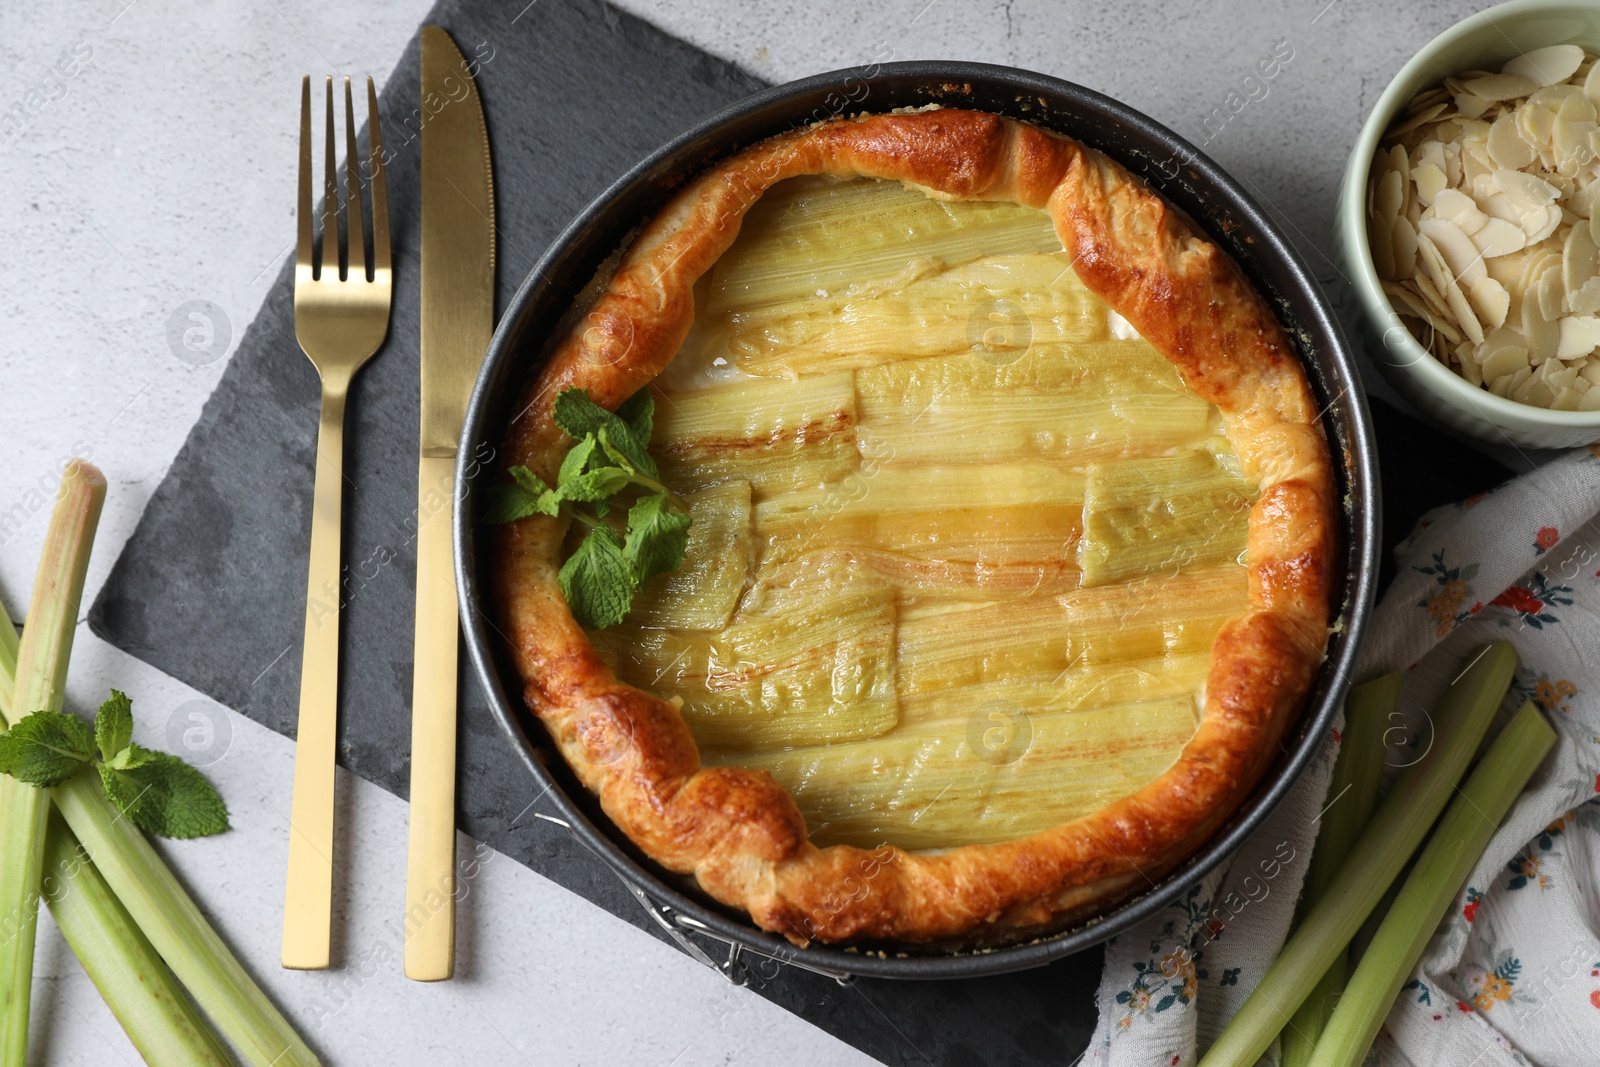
column 1482, row 229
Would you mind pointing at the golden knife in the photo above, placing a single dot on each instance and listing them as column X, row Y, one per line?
column 457, row 319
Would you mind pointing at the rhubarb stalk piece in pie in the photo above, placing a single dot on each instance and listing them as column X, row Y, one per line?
column 1012, row 531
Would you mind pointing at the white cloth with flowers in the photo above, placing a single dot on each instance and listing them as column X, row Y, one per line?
column 1513, row 973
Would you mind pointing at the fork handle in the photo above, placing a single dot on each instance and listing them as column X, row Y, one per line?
column 430, row 849
column 308, row 895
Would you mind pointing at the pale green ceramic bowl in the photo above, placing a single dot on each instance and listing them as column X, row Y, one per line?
column 1484, row 42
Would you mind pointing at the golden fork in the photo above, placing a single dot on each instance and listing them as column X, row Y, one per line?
column 340, row 319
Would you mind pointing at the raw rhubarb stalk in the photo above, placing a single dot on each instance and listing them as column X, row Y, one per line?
column 41, row 671
column 1352, row 795
column 1402, row 821
column 1453, row 850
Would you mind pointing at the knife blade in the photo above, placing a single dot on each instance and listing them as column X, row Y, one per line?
column 458, row 244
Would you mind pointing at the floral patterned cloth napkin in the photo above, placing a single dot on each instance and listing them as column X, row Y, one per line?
column 1512, row 975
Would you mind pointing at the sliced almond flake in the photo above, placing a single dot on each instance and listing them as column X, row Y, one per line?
column 1570, row 139
column 1406, row 301
column 1541, row 333
column 1539, row 260
column 1525, row 188
column 1549, row 292
column 1547, row 66
column 1460, row 209
column 1575, row 107
column 1551, row 97
column 1405, row 247
column 1501, row 352
column 1535, row 123
column 1552, row 221
column 1496, row 87
column 1498, row 205
column 1507, row 358
column 1533, row 391
column 1464, row 259
column 1504, row 386
column 1580, row 258
column 1580, row 336
column 1411, row 122
column 1585, row 300
column 1591, row 84
column 1566, row 400
column 1507, row 147
column 1471, row 105
column 1388, row 198
column 1400, row 163
column 1557, row 375
column 1509, row 269
column 1428, row 152
column 1490, row 301
column 1430, row 181
column 1476, row 166
column 1433, row 261
column 1427, row 98
column 1497, row 237
column 1426, row 289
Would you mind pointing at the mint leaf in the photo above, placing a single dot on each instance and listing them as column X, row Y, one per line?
column 638, row 412
column 578, row 415
column 595, row 485
column 164, row 795
column 45, row 748
column 613, row 453
column 527, row 495
column 657, row 537
column 576, row 483
column 575, row 413
column 597, row 580
column 113, row 726
column 610, row 453
column 576, row 460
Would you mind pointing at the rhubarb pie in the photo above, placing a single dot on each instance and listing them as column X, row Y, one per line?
column 1012, row 528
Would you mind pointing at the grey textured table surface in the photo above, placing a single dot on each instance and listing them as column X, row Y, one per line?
column 161, row 172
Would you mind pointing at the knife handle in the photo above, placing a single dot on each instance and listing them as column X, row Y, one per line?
column 430, row 921
column 308, row 892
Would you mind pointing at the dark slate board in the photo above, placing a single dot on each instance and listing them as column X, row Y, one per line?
column 210, row 587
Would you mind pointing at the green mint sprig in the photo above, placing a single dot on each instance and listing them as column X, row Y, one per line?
column 161, row 794
column 610, row 457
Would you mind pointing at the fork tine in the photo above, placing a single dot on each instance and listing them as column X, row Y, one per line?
column 330, row 197
column 352, row 199
column 380, row 195
column 302, row 255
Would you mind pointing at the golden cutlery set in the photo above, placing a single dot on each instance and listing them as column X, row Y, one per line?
column 341, row 318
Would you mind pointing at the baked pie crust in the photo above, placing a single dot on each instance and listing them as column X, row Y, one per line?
column 736, row 830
